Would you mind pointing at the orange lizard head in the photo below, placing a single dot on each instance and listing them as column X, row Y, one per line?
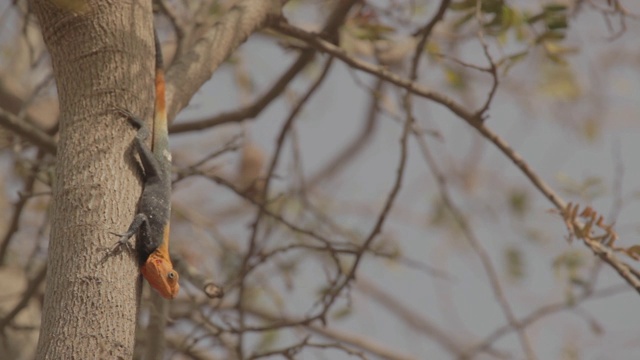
column 160, row 274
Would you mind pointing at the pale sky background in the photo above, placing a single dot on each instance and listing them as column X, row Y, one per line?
column 465, row 305
column 544, row 135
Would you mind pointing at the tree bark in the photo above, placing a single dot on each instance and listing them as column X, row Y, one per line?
column 102, row 57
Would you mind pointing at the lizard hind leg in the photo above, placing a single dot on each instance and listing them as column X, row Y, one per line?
column 143, row 131
column 149, row 162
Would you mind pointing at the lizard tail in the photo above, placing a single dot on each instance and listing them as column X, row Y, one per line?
column 160, row 132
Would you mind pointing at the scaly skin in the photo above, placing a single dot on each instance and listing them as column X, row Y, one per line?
column 158, row 268
column 151, row 224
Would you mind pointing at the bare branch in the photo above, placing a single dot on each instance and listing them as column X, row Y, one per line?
column 412, row 318
column 250, row 111
column 28, row 294
column 27, row 131
column 358, row 341
column 539, row 314
column 17, row 212
column 378, row 71
column 190, row 71
column 475, row 120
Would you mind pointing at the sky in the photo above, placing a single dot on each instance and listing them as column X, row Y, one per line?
column 545, row 128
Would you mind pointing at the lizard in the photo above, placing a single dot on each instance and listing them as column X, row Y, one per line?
column 151, row 223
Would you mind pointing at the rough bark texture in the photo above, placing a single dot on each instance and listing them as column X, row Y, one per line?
column 101, row 58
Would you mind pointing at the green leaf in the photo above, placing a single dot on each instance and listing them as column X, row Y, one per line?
column 519, row 202
column 372, row 31
column 555, row 7
column 508, row 17
column 570, row 261
column 463, row 5
column 514, row 262
column 535, row 18
column 556, row 22
column 591, row 129
column 454, row 78
column 588, row 189
column 491, row 6
column 634, row 252
column 341, row 313
column 463, row 20
column 511, row 60
column 559, row 82
column 550, row 35
column 267, row 340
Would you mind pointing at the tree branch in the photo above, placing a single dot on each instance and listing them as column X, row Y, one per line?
column 29, row 132
column 358, row 341
column 195, row 67
column 474, row 119
column 375, row 70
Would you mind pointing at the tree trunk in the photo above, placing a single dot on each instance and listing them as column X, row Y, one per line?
column 102, row 57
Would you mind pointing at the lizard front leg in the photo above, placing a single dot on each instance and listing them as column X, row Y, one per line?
column 140, row 222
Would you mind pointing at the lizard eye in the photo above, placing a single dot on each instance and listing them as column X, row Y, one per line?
column 171, row 275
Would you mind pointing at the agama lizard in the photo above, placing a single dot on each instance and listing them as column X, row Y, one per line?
column 151, row 223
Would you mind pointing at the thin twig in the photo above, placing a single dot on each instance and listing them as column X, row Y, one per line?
column 31, row 133
column 27, row 295
column 540, row 313
column 629, row 274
